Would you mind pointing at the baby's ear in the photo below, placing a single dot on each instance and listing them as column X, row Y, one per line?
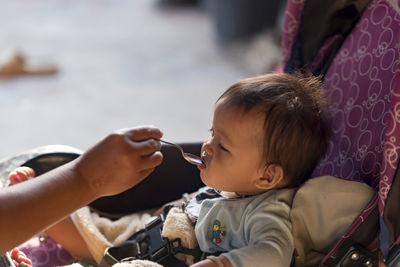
column 272, row 178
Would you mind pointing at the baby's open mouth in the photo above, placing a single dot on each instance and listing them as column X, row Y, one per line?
column 202, row 166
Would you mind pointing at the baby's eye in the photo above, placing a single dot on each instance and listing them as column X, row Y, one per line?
column 223, row 148
column 211, row 131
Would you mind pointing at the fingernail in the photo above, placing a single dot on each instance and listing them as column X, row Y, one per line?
column 18, row 177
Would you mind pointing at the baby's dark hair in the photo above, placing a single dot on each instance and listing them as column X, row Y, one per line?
column 296, row 127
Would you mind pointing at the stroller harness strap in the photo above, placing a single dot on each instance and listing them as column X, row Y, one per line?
column 149, row 244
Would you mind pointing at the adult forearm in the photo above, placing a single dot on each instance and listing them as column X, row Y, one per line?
column 28, row 208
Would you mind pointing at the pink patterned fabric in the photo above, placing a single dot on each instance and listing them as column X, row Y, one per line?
column 362, row 85
column 291, row 23
column 44, row 252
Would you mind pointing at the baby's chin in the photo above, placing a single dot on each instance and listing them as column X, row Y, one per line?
column 207, row 180
column 203, row 178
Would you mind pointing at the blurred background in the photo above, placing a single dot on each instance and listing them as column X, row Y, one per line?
column 124, row 63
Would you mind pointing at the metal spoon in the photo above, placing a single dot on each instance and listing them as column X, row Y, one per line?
column 196, row 160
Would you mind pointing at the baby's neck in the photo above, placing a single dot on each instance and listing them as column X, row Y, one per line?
column 227, row 194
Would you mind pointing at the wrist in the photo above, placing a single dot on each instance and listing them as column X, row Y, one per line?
column 81, row 181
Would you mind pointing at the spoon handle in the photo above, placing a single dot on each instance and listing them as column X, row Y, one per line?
column 172, row 144
column 193, row 159
column 165, row 142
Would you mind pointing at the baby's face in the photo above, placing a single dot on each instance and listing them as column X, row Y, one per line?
column 232, row 155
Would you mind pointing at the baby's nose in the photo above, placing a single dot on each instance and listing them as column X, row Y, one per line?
column 206, row 148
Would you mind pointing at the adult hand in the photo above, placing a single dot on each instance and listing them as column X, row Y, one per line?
column 121, row 160
column 116, row 163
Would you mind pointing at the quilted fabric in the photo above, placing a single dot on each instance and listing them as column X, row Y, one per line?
column 44, row 252
column 293, row 11
column 362, row 85
column 363, row 90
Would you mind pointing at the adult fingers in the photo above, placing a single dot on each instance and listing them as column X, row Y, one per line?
column 141, row 133
column 151, row 161
column 147, row 147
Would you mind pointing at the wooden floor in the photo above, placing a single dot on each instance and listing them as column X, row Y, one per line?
column 122, row 63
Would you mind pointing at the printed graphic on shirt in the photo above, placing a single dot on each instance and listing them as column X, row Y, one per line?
column 218, row 232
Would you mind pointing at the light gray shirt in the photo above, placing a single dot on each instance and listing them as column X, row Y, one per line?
column 254, row 230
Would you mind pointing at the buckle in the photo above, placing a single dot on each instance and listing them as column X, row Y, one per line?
column 149, row 244
column 158, row 246
column 176, row 247
column 358, row 256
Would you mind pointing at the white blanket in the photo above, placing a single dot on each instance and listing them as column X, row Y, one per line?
column 100, row 233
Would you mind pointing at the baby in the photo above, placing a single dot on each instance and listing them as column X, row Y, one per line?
column 268, row 134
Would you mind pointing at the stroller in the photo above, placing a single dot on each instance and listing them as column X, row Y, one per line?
column 355, row 47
